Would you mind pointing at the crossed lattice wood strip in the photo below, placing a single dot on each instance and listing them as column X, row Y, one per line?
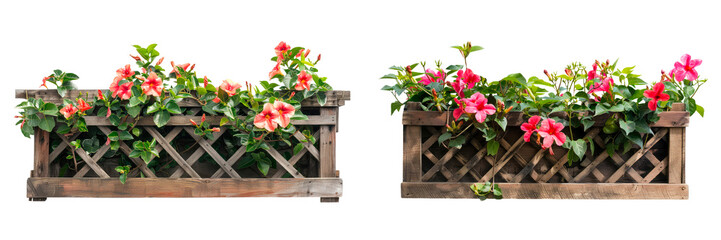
column 307, row 148
column 90, row 162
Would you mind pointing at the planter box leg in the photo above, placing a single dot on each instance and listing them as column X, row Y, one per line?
column 37, row 199
column 41, row 163
column 327, row 150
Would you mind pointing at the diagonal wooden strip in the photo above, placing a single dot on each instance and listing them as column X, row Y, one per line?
column 468, row 165
column 504, row 159
column 528, row 168
column 213, row 154
column 446, row 173
column 520, row 159
column 283, row 163
column 558, row 166
column 631, row 172
column 591, row 167
column 308, row 145
column 439, row 164
column 231, row 160
column 126, row 149
column 178, row 171
column 171, row 151
column 656, row 170
column 627, row 165
column 293, row 160
column 61, row 147
column 88, row 160
column 96, row 157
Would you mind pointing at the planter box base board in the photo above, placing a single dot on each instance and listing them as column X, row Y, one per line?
column 550, row 190
column 44, row 187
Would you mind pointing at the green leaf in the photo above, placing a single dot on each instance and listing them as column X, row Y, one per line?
column 124, row 135
column 153, row 108
column 123, row 178
column 114, row 120
column 49, row 109
column 389, row 76
column 263, row 166
column 700, row 110
column 396, row 106
column 223, row 121
column 299, row 116
column 173, row 108
column 136, row 132
column 627, row 127
column 492, row 147
column 691, row 106
column 502, row 122
column 47, row 123
column 600, row 109
column 445, row 136
column 455, row 67
column 161, row 118
column 642, row 127
column 133, row 111
column 635, row 81
column 579, row 147
column 298, row 147
column 457, row 142
column 587, row 123
column 635, row 137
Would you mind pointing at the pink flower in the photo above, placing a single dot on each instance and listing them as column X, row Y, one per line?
column 458, row 86
column 530, row 127
column 124, row 91
column 656, row 94
column 125, row 72
column 267, row 119
column 152, row 86
column 83, row 106
column 598, row 89
column 685, row 68
column 477, row 104
column 115, row 85
column 593, row 74
column 438, row 76
column 285, row 111
column 281, row 49
column 468, row 78
column 45, row 79
column 550, row 131
column 275, row 71
column 68, row 111
column 461, row 108
column 303, row 81
column 230, row 87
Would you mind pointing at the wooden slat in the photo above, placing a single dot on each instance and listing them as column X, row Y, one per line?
column 327, row 145
column 528, row 168
column 96, row 157
column 412, row 154
column 126, row 149
column 178, row 171
column 234, row 158
column 61, row 147
column 627, row 165
column 439, row 164
column 284, row 163
column 551, row 190
column 184, row 187
column 307, row 144
column 212, row 120
column 171, row 151
column 504, row 159
column 295, row 158
column 89, row 161
column 213, row 154
column 41, row 164
column 676, row 147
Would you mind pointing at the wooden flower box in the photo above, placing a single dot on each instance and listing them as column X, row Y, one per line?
column 525, row 171
column 196, row 168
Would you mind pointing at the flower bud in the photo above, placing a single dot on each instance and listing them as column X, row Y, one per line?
column 215, row 129
column 159, row 61
column 193, row 122
column 202, row 119
column 107, row 142
column 408, row 69
column 318, row 58
column 135, row 57
column 191, row 67
column 306, row 53
column 568, row 72
column 205, row 81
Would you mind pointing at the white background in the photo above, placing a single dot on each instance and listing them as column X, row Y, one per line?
column 359, row 40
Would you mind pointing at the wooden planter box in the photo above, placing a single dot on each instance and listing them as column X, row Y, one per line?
column 310, row 173
column 525, row 171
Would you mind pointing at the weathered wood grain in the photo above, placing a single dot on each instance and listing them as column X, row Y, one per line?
column 185, row 187
column 412, row 154
column 212, row 120
column 551, row 190
column 42, row 153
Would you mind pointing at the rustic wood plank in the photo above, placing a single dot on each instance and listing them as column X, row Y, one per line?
column 333, row 98
column 636, row 156
column 412, row 154
column 185, row 187
column 468, row 165
column 213, row 154
column 528, row 168
column 675, row 154
column 440, row 164
column 327, row 145
column 551, row 190
column 171, row 151
column 41, row 164
column 295, row 158
column 178, row 171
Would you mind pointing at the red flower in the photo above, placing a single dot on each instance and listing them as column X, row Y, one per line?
column 115, row 85
column 68, row 111
column 550, row 131
column 153, row 86
column 45, row 79
column 125, row 72
column 275, row 71
column 458, row 86
column 285, row 111
column 460, row 110
column 685, row 68
column 477, row 104
column 281, row 49
column 229, row 87
column 438, row 76
column 124, row 91
column 469, row 78
column 303, row 81
column 267, row 118
column 318, row 58
column 656, row 94
column 100, row 95
column 593, row 74
column 205, row 81
column 83, row 106
column 530, row 127
column 598, row 89
column 193, row 122
column 202, row 119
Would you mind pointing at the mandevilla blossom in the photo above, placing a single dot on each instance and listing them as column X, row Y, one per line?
column 469, row 78
column 184, row 66
column 281, row 49
column 124, row 91
column 267, row 118
column 685, row 68
column 45, row 79
column 303, row 81
column 115, row 85
column 598, row 89
column 68, row 111
column 229, row 87
column 83, row 106
column 593, row 74
column 461, row 108
column 477, row 104
column 205, row 81
column 153, row 86
column 125, row 72
column 100, row 95
column 438, row 76
column 656, row 94
column 530, row 127
column 275, row 71
column 550, row 131
column 285, row 111
column 458, row 86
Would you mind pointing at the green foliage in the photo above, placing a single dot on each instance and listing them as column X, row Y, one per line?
column 484, row 190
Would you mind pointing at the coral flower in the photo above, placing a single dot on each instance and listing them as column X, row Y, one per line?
column 184, row 66
column 656, row 94
column 275, row 71
column 469, row 78
column 124, row 91
column 215, row 129
column 303, row 81
column 281, row 49
column 477, row 104
column 685, row 68
column 285, row 111
column 45, row 79
column 83, row 106
column 100, row 95
column 115, row 85
column 152, row 86
column 530, row 127
column 68, row 111
column 550, row 131
column 230, row 87
column 267, row 119
column 438, row 76
column 125, row 72
column 461, row 108
column 205, row 81
column 216, row 100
